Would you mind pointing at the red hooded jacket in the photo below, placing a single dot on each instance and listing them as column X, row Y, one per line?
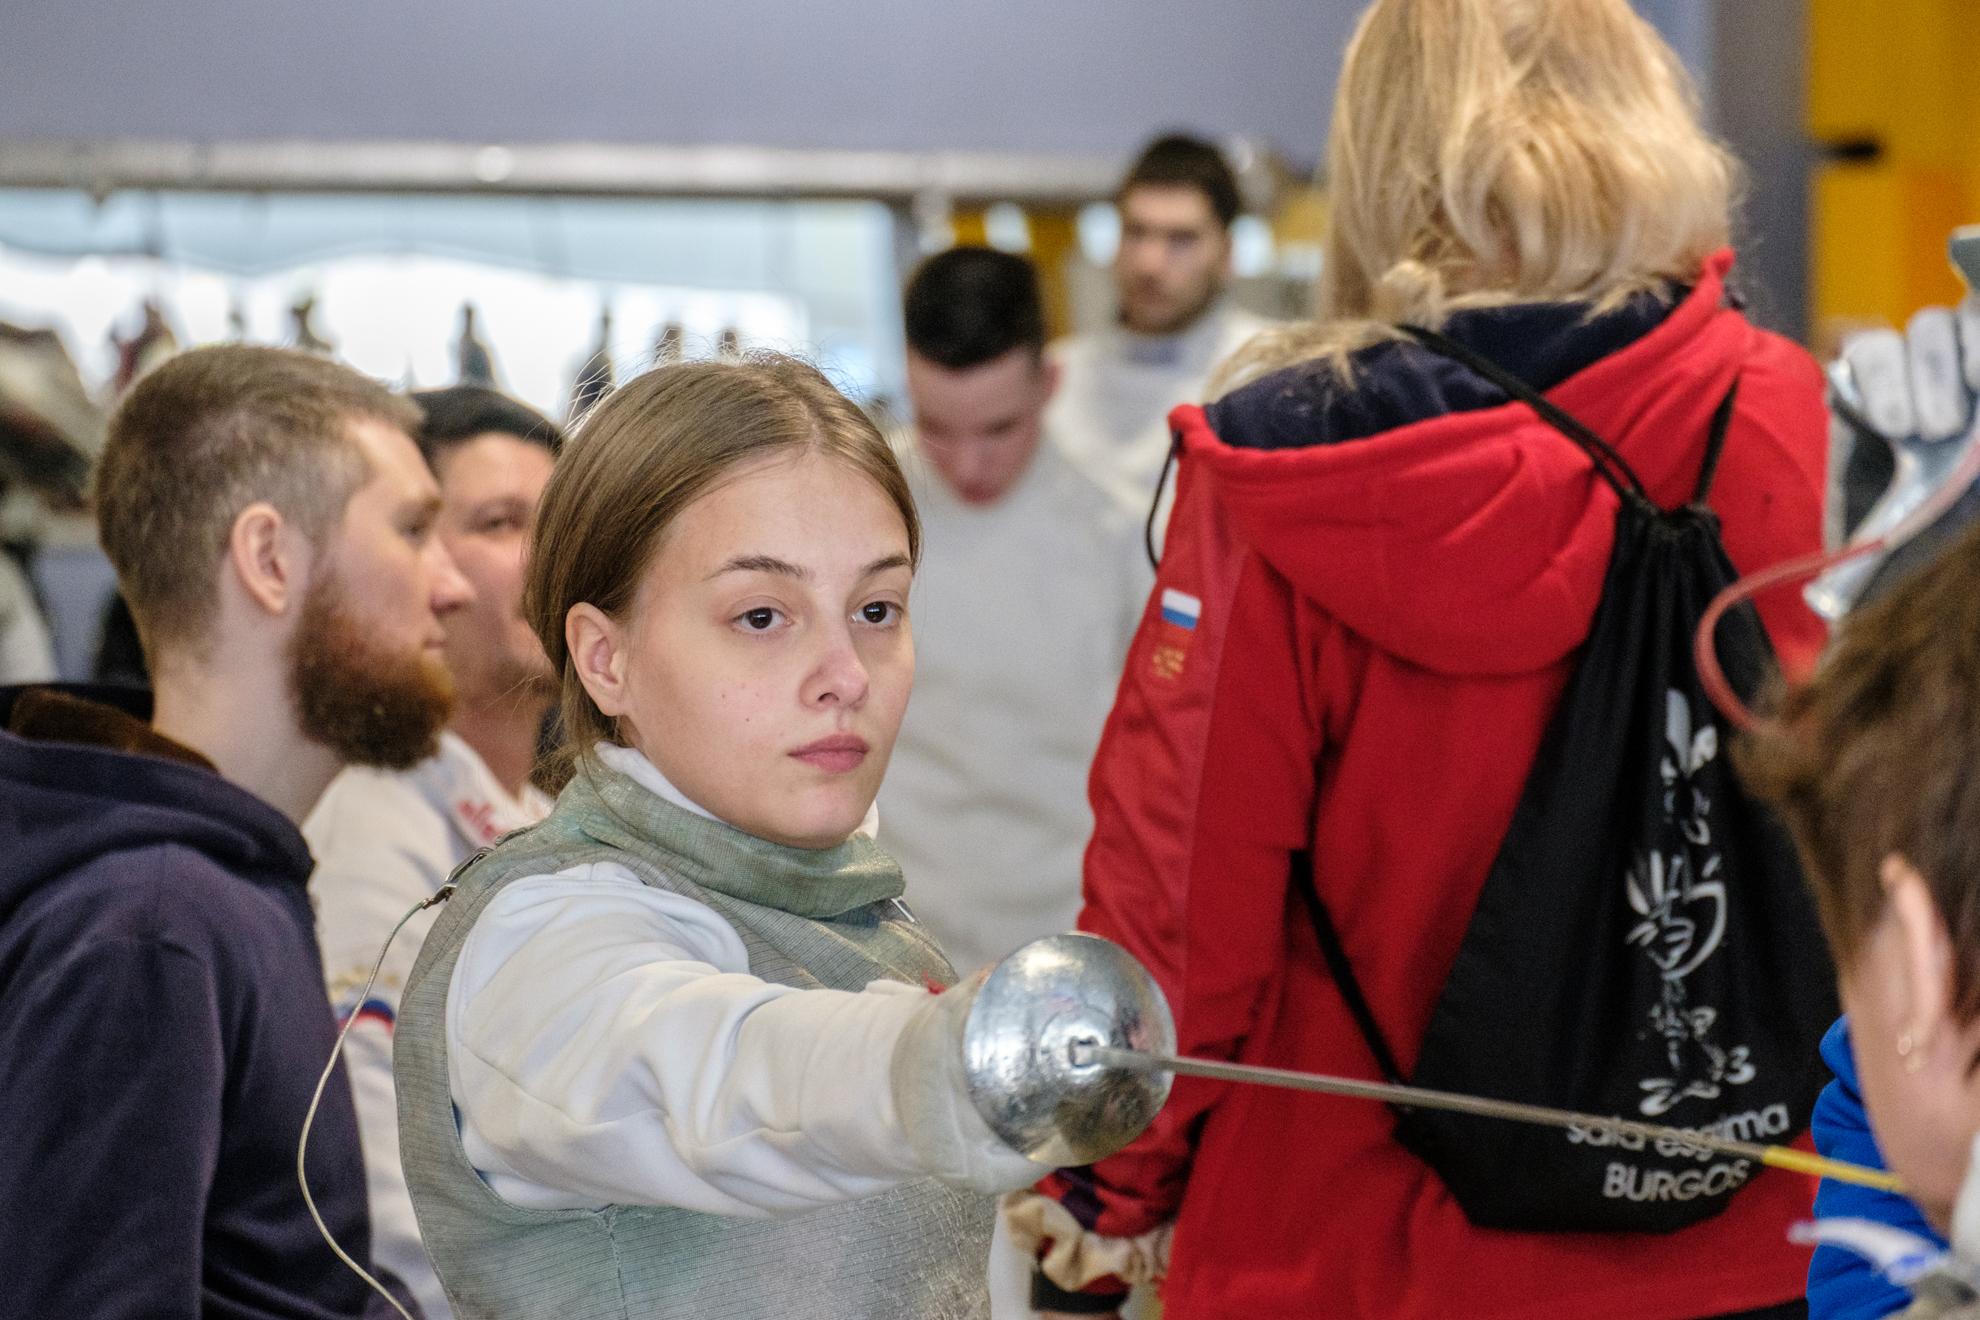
column 1356, row 647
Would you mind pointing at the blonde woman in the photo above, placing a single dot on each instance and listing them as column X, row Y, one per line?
column 1375, row 582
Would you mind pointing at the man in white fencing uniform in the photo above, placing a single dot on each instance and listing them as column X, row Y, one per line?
column 1173, row 321
column 1031, row 583
column 385, row 841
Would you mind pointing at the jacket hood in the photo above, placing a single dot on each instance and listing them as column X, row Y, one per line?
column 82, row 778
column 1476, row 542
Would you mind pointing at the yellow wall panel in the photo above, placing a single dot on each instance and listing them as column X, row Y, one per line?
column 970, row 227
column 1850, row 53
column 1934, row 205
column 1890, row 69
column 1880, row 242
column 1857, row 243
column 1054, row 241
column 1896, row 72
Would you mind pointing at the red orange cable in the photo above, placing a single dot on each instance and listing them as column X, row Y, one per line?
column 1705, row 652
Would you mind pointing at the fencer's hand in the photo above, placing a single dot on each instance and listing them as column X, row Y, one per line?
column 931, row 1094
column 1901, row 412
column 1893, row 395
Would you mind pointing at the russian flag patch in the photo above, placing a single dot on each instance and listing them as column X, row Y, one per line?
column 1181, row 609
column 1179, row 613
column 373, row 1010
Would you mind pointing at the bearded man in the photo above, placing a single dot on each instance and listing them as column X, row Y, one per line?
column 162, row 1017
column 386, row 840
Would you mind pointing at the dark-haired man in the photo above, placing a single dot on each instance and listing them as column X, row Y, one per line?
column 1173, row 323
column 162, row 1019
column 385, row 840
column 1031, row 582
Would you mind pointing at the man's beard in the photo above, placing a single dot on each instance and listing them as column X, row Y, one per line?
column 369, row 705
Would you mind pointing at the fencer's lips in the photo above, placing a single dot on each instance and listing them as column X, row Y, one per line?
column 835, row 755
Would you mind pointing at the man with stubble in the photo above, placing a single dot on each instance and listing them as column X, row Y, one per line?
column 162, row 1017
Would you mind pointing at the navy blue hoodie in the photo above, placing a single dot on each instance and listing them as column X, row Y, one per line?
column 163, row 1022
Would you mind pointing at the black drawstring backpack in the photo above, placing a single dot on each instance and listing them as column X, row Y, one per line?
column 1643, row 947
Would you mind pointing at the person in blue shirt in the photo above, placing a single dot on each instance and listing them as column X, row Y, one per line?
column 1870, row 766
column 1841, row 1284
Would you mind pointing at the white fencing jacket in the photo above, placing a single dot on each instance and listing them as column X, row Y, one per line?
column 1022, row 613
column 1110, row 414
column 607, row 1044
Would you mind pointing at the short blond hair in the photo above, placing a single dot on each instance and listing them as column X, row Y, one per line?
column 1486, row 152
column 203, row 436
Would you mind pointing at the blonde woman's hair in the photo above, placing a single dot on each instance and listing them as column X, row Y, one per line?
column 1486, row 152
column 641, row 457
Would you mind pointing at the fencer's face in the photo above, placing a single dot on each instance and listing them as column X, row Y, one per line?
column 1174, row 258
column 766, row 661
column 490, row 486
column 1913, row 1059
column 979, row 427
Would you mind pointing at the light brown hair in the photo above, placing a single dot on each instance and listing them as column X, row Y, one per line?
column 1879, row 754
column 653, row 447
column 203, row 436
column 1486, row 152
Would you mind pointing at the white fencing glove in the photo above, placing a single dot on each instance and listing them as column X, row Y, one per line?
column 931, row 1095
column 1902, row 417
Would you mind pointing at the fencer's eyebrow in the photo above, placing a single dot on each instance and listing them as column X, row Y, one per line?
column 763, row 564
column 885, row 562
column 784, row 568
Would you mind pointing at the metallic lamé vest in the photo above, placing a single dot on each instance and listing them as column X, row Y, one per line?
column 918, row 1252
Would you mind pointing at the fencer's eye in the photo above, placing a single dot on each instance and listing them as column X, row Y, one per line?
column 880, row 611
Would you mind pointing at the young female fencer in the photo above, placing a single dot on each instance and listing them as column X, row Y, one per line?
column 1871, row 764
column 674, row 1051
column 1376, row 580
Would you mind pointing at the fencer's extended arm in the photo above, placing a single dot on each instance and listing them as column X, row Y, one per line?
column 608, row 1046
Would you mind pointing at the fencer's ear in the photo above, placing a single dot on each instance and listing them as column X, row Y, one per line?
column 267, row 557
column 599, row 651
column 1925, row 949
